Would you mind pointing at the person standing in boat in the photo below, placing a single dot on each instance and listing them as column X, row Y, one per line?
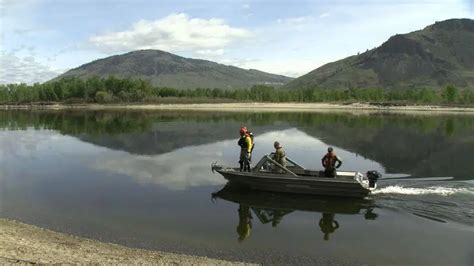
column 279, row 156
column 245, row 143
column 330, row 163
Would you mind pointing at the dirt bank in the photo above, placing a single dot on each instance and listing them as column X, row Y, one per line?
column 257, row 107
column 22, row 243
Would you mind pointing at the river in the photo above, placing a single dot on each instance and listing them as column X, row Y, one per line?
column 143, row 179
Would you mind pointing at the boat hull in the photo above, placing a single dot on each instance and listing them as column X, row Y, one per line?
column 298, row 185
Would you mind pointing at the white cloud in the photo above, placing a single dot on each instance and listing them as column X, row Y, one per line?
column 210, row 52
column 297, row 24
column 176, row 32
column 324, row 15
column 239, row 62
column 8, row 3
column 10, row 7
column 289, row 67
column 24, row 69
column 293, row 67
column 296, row 21
column 245, row 6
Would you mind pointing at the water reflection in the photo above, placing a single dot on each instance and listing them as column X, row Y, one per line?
column 327, row 224
column 413, row 144
column 245, row 222
column 271, row 208
column 271, row 216
column 190, row 166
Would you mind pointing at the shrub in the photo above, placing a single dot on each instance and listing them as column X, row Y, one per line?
column 104, row 97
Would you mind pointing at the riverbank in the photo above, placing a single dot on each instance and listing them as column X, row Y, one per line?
column 250, row 107
column 22, row 243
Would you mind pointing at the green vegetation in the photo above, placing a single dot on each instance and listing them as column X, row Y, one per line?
column 113, row 90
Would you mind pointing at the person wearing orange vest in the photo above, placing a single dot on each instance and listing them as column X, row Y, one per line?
column 330, row 163
column 246, row 145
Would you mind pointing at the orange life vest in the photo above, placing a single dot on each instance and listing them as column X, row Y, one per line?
column 329, row 160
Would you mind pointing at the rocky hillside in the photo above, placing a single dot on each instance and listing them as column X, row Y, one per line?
column 168, row 70
column 439, row 55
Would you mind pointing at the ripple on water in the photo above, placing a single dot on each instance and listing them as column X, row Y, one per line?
column 434, row 190
column 442, row 203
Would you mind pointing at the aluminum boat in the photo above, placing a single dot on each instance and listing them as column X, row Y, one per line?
column 269, row 175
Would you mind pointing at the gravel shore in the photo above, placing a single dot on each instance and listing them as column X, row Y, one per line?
column 257, row 107
column 22, row 243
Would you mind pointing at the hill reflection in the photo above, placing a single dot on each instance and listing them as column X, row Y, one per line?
column 421, row 145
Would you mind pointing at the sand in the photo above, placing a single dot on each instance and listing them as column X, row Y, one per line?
column 256, row 107
column 26, row 244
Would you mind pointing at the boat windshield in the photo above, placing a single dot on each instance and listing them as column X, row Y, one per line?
column 268, row 165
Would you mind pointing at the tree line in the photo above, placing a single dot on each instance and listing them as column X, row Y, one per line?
column 115, row 90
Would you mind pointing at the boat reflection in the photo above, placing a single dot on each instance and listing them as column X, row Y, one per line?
column 271, row 208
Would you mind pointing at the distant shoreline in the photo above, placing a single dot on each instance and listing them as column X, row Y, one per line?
column 28, row 244
column 251, row 107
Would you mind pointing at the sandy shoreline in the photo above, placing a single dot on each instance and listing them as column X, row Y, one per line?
column 250, row 107
column 22, row 243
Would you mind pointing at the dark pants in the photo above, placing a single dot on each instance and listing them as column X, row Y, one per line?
column 244, row 161
column 330, row 172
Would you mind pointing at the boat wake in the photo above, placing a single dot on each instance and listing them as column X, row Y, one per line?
column 447, row 202
column 433, row 190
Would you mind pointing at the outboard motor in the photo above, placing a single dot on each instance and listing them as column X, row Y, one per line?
column 373, row 176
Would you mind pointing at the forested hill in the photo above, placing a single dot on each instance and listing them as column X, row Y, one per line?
column 439, row 55
column 164, row 69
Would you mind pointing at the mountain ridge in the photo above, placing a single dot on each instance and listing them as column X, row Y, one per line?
column 165, row 69
column 441, row 54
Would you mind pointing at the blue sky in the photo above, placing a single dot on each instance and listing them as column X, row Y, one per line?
column 43, row 38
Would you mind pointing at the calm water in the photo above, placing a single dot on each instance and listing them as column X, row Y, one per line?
column 143, row 179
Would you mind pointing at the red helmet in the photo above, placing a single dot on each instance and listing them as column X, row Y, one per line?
column 243, row 130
